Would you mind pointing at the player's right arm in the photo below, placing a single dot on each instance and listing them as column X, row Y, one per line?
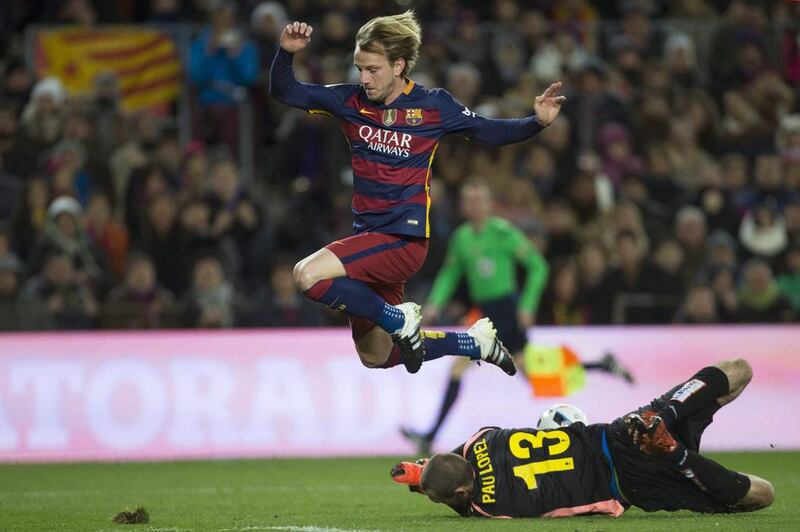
column 285, row 87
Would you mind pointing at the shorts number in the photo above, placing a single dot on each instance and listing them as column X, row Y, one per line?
column 528, row 472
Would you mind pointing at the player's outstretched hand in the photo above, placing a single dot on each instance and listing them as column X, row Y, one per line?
column 296, row 36
column 410, row 474
column 548, row 104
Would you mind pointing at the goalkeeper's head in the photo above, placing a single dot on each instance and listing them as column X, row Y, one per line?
column 448, row 479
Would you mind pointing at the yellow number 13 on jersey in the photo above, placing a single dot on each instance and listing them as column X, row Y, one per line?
column 559, row 445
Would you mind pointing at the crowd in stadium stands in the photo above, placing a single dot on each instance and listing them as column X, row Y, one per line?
column 668, row 191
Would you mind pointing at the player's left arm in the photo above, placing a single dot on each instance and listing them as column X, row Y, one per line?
column 457, row 118
column 535, row 280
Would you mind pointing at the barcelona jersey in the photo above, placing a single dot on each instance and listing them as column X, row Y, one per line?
column 393, row 145
column 538, row 473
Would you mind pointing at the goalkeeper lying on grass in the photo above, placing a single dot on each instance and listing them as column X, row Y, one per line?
column 649, row 459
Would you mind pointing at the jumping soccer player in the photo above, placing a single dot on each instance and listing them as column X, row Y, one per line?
column 649, row 459
column 485, row 250
column 393, row 126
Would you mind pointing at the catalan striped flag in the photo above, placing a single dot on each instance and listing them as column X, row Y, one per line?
column 146, row 62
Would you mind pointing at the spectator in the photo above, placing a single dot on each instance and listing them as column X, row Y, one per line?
column 742, row 127
column 145, row 185
column 634, row 273
column 233, row 211
column 699, row 307
column 171, row 11
column 279, row 304
column 195, row 227
column 685, row 155
column 763, row 232
column 30, row 217
column 17, row 83
column 690, row 231
column 193, row 178
column 18, row 312
column 668, row 259
column 791, row 215
column 593, row 271
column 68, row 174
column 107, row 234
column 222, row 65
column 718, row 210
column 464, row 83
column 706, row 123
column 561, row 302
column 164, row 242
column 723, row 282
column 789, row 280
column 641, row 204
column 211, row 301
column 760, row 299
column 43, row 117
column 591, row 105
column 64, row 233
column 267, row 22
column 140, row 302
column 556, row 56
column 770, row 185
column 17, row 156
column 721, row 250
column 132, row 156
column 680, row 58
column 560, row 225
column 616, row 150
column 167, row 155
column 68, row 302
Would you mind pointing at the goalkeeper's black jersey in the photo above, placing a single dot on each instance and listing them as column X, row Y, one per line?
column 532, row 473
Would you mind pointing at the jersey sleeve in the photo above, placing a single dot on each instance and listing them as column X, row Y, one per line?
column 285, row 88
column 535, row 265
column 457, row 118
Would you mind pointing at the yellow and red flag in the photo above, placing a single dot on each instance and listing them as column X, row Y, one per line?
column 145, row 61
column 553, row 371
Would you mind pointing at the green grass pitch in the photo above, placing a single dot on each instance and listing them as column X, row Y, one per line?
column 316, row 495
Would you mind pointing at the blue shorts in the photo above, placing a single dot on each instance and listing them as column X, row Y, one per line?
column 503, row 312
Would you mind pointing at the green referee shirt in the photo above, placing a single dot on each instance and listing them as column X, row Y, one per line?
column 488, row 260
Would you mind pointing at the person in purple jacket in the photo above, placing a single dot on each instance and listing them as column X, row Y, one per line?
column 393, row 126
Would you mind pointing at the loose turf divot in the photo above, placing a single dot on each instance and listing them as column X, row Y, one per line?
column 137, row 517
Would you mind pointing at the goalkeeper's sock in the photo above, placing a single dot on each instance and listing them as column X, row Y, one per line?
column 438, row 344
column 357, row 299
column 721, row 484
column 697, row 393
column 450, row 396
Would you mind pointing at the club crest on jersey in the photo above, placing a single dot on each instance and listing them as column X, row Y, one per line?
column 389, row 117
column 413, row 117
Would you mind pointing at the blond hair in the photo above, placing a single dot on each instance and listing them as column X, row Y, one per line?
column 394, row 36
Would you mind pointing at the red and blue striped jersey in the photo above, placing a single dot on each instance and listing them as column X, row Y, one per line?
column 393, row 145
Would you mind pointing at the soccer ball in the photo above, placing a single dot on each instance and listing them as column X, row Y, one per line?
column 562, row 415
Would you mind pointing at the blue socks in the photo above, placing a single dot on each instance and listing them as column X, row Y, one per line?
column 357, row 299
column 391, row 318
column 439, row 344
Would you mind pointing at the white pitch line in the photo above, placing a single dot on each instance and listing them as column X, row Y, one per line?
column 292, row 528
column 195, row 490
column 151, row 529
